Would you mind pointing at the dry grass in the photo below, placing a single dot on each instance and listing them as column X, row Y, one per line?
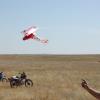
column 55, row 77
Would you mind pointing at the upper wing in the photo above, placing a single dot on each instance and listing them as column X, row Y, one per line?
column 30, row 30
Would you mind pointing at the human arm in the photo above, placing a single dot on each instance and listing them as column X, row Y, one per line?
column 90, row 90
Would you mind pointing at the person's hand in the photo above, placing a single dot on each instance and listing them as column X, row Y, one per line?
column 84, row 84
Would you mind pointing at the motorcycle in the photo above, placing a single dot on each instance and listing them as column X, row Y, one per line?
column 19, row 81
column 3, row 79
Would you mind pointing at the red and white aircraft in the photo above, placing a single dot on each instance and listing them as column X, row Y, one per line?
column 30, row 34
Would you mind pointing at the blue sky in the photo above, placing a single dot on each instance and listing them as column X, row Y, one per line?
column 71, row 26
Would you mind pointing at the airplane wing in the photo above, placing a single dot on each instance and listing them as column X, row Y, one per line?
column 30, row 30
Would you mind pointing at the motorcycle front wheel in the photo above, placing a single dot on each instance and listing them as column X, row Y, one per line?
column 28, row 83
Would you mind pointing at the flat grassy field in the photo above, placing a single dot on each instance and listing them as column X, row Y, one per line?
column 55, row 77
